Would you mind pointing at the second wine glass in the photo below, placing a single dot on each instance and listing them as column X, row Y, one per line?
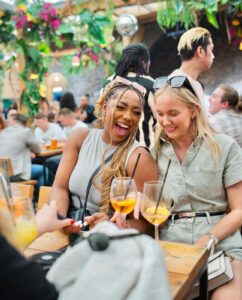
column 123, row 194
column 156, row 204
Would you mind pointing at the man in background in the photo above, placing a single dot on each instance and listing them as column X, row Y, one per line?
column 69, row 122
column 47, row 131
column 195, row 49
column 86, row 110
column 226, row 114
column 17, row 142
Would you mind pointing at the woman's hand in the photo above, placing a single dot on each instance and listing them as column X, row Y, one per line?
column 46, row 219
column 203, row 241
column 96, row 218
column 75, row 227
column 120, row 220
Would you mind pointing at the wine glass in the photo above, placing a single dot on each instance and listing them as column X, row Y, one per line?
column 25, row 226
column 123, row 195
column 156, row 204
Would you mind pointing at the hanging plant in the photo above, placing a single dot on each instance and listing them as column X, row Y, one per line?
column 36, row 30
column 183, row 12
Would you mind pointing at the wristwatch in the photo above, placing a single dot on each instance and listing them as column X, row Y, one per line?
column 212, row 242
column 214, row 238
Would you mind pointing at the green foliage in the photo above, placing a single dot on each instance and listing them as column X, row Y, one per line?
column 183, row 12
column 40, row 30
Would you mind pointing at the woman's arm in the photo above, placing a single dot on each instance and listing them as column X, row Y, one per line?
column 233, row 220
column 146, row 170
column 60, row 189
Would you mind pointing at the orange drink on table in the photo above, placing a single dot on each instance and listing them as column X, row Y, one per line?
column 53, row 144
column 156, row 204
column 123, row 194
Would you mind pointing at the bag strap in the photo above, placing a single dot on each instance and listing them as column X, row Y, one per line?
column 93, row 175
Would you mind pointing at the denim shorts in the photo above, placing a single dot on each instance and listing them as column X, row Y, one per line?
column 189, row 230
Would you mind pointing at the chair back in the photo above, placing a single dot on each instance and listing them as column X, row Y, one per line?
column 44, row 195
column 6, row 165
column 24, row 190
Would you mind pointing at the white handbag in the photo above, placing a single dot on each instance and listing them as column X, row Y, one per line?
column 219, row 272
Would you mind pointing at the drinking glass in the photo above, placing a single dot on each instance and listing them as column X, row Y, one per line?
column 156, row 204
column 25, row 226
column 123, row 194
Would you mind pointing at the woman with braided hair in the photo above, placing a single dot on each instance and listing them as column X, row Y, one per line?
column 118, row 111
column 134, row 65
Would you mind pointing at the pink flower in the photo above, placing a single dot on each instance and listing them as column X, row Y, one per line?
column 20, row 20
column 95, row 58
column 48, row 12
column 55, row 23
column 89, row 51
column 79, row 53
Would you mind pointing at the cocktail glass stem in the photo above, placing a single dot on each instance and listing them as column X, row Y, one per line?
column 157, row 232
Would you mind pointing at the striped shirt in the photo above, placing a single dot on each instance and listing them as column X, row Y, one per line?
column 228, row 122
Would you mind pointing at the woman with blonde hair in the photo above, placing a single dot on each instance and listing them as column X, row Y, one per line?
column 118, row 110
column 205, row 177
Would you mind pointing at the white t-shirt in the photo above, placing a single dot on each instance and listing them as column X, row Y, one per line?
column 54, row 131
column 196, row 85
column 68, row 130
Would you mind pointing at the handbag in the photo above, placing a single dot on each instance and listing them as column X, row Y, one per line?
column 79, row 214
column 219, row 272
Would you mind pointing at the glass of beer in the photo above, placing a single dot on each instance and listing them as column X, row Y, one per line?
column 156, row 204
column 123, row 194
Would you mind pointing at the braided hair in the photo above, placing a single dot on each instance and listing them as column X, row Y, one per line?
column 133, row 59
column 116, row 168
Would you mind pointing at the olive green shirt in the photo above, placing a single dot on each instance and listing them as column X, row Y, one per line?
column 199, row 182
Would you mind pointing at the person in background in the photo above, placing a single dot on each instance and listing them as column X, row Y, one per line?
column 119, row 110
column 44, row 106
column 205, row 177
column 47, row 131
column 2, row 123
column 17, row 142
column 134, row 65
column 225, row 113
column 54, row 111
column 68, row 101
column 86, row 110
column 195, row 49
column 10, row 114
column 69, row 122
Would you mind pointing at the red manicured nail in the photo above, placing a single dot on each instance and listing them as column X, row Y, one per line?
column 72, row 222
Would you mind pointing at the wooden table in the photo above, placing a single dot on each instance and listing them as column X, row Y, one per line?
column 51, row 152
column 185, row 263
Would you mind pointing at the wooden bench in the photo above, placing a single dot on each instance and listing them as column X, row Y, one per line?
column 7, row 169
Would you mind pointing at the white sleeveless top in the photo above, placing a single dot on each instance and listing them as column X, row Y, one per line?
column 89, row 159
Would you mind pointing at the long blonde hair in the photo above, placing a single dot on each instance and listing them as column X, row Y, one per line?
column 116, row 168
column 200, row 126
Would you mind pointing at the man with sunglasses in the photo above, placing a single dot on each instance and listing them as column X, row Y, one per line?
column 195, row 49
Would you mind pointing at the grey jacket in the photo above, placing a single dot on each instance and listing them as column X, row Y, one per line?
column 17, row 143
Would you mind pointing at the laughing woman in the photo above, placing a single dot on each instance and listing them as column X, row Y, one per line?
column 119, row 110
column 205, row 176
